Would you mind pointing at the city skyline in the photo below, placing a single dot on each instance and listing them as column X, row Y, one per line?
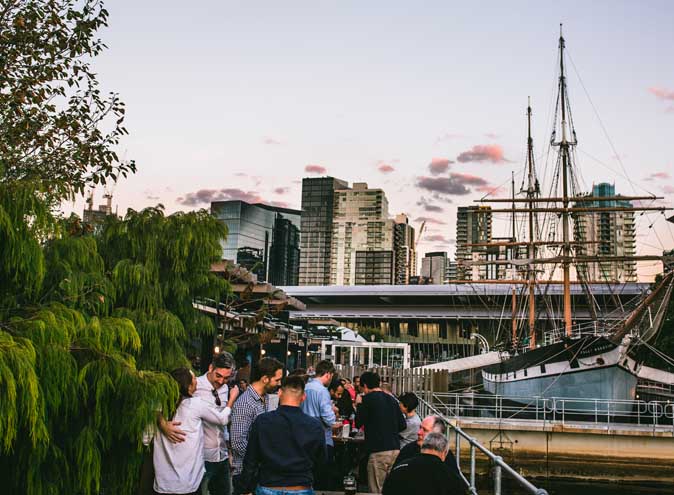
column 231, row 102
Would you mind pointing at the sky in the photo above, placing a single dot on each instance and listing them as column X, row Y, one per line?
column 426, row 100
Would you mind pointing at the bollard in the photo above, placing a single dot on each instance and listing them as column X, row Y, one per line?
column 497, row 475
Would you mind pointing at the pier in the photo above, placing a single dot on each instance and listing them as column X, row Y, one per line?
column 562, row 438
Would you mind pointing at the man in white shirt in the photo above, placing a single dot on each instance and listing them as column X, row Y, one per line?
column 212, row 388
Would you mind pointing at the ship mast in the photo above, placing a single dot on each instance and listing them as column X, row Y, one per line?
column 532, row 192
column 564, row 151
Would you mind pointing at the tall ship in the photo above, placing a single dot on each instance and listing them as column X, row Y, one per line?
column 563, row 358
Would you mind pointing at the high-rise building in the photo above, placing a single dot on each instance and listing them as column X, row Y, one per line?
column 405, row 253
column 264, row 239
column 434, row 267
column 284, row 266
column 606, row 233
column 473, row 226
column 318, row 201
column 451, row 271
column 362, row 238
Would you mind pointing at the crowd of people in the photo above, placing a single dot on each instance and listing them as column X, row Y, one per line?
column 271, row 432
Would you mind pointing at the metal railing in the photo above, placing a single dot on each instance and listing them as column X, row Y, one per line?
column 499, row 466
column 609, row 414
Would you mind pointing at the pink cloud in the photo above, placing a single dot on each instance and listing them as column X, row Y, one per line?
column 281, row 190
column 491, row 190
column 429, row 220
column 482, row 153
column 206, row 196
column 468, row 179
column 491, row 135
column 658, row 175
column 270, row 140
column 439, row 165
column 316, row 169
column 385, row 168
column 661, row 93
column 667, row 189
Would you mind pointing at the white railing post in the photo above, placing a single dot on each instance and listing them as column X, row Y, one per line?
column 497, row 476
column 457, row 445
column 472, row 466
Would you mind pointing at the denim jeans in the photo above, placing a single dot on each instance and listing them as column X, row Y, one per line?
column 218, row 479
column 261, row 490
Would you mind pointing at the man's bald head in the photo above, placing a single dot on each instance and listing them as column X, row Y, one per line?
column 430, row 424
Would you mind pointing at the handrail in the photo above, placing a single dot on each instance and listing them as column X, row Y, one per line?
column 567, row 410
column 500, row 466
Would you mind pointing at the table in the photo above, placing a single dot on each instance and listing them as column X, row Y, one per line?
column 349, row 455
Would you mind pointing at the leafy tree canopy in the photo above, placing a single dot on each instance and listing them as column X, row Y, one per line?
column 56, row 126
column 89, row 322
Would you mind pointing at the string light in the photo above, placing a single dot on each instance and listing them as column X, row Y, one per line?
column 216, row 350
column 263, row 352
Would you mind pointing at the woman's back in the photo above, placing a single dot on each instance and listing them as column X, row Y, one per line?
column 179, row 467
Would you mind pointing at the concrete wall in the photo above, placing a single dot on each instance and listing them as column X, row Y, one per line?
column 579, row 452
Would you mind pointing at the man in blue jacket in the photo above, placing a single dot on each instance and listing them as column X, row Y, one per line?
column 319, row 405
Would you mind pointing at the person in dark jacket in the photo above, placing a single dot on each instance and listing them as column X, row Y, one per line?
column 430, row 424
column 425, row 473
column 380, row 414
column 283, row 446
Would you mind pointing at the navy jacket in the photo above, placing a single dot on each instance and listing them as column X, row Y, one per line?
column 283, row 447
column 423, row 473
column 381, row 416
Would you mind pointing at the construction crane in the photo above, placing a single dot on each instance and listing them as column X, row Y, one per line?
column 421, row 233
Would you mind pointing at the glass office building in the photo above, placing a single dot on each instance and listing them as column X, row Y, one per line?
column 318, row 197
column 264, row 239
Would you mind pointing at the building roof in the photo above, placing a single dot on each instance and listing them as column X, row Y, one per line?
column 456, row 289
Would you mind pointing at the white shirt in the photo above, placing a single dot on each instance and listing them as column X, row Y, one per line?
column 215, row 435
column 179, row 467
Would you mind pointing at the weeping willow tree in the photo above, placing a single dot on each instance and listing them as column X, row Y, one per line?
column 159, row 265
column 88, row 324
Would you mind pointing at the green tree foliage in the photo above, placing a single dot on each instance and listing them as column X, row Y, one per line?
column 159, row 266
column 81, row 362
column 52, row 111
column 88, row 323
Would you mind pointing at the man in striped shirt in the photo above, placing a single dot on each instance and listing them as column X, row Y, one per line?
column 266, row 379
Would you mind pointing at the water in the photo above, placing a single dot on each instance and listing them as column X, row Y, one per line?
column 581, row 488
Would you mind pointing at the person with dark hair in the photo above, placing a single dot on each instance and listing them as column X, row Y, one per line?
column 356, row 385
column 301, row 372
column 284, row 446
column 180, row 467
column 342, row 399
column 318, row 405
column 336, row 389
column 379, row 413
column 408, row 405
column 425, row 473
column 266, row 379
column 242, row 385
column 431, row 424
column 212, row 387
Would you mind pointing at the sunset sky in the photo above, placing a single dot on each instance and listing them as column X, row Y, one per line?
column 426, row 100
